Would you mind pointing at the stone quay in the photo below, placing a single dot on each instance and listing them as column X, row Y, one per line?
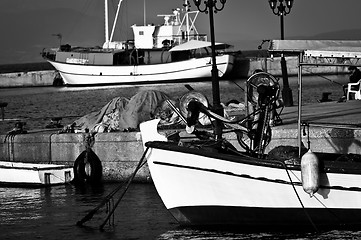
column 120, row 152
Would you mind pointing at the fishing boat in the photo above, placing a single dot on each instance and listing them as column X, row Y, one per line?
column 34, row 174
column 156, row 54
column 211, row 182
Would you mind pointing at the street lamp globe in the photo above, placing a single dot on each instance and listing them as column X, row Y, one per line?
column 272, row 4
column 197, row 2
column 289, row 3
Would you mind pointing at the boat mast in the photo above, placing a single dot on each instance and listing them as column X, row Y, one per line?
column 115, row 20
column 106, row 16
column 106, row 24
column 187, row 18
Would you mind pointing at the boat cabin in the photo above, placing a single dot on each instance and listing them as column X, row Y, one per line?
column 172, row 32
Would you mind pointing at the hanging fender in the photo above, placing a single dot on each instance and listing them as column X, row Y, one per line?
column 310, row 173
column 88, row 168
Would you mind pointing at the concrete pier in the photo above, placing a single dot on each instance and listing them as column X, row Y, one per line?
column 120, row 152
column 27, row 79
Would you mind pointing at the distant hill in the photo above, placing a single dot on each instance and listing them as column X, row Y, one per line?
column 350, row 34
column 25, row 67
column 347, row 34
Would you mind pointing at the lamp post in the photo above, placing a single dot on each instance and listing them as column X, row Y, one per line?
column 210, row 6
column 280, row 9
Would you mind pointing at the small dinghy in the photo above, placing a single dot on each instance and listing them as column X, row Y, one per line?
column 34, row 175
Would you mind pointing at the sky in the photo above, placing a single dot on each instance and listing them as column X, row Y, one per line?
column 28, row 26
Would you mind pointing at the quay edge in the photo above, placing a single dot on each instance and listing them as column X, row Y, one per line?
column 27, row 79
column 120, row 152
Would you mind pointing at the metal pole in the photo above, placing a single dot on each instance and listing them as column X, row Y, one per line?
column 300, row 59
column 282, row 27
column 215, row 84
column 286, row 90
column 106, row 17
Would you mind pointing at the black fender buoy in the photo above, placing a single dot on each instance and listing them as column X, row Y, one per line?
column 88, row 168
column 58, row 80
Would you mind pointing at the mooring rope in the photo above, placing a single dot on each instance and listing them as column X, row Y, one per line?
column 109, row 197
column 139, row 166
column 298, row 197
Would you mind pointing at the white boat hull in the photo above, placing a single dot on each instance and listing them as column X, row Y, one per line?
column 203, row 187
column 31, row 174
column 203, row 190
column 78, row 74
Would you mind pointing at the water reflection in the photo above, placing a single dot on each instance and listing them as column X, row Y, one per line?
column 52, row 213
column 19, row 205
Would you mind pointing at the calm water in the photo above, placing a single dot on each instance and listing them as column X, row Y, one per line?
column 52, row 213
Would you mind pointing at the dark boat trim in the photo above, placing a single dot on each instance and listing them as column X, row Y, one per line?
column 270, row 218
column 357, row 189
column 327, row 166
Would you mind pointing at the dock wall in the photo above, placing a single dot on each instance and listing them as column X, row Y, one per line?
column 120, row 152
column 244, row 67
column 27, row 79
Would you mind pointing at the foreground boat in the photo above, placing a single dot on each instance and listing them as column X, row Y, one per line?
column 168, row 52
column 209, row 182
column 206, row 186
column 34, row 175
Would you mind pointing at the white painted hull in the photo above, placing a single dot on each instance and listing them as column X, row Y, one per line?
column 190, row 184
column 203, row 187
column 31, row 174
column 77, row 74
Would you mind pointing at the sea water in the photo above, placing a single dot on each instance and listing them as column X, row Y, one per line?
column 52, row 213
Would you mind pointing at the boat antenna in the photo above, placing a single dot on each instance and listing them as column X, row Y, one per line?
column 144, row 14
column 186, row 4
column 59, row 36
column 106, row 23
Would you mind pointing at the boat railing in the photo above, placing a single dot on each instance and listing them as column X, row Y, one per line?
column 178, row 39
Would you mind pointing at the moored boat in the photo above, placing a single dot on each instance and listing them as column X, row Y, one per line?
column 204, row 186
column 212, row 182
column 34, row 174
column 151, row 57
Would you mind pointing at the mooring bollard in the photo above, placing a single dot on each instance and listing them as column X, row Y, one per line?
column 2, row 106
column 325, row 96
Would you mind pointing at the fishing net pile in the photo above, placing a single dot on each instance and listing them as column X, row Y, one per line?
column 122, row 114
column 288, row 154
